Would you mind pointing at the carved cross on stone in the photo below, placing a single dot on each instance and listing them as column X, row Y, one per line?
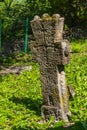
column 52, row 53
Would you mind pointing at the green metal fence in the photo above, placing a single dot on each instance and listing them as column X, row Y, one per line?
column 0, row 35
column 26, row 36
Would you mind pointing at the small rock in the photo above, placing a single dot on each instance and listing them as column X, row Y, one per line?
column 14, row 70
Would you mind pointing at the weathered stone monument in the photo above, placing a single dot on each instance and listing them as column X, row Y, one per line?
column 51, row 51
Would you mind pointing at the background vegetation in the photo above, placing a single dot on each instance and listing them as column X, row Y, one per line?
column 14, row 12
column 20, row 95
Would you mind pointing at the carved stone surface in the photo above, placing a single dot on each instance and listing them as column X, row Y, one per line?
column 52, row 52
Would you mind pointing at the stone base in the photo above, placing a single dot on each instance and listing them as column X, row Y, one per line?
column 48, row 111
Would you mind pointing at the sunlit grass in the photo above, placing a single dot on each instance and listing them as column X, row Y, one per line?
column 21, row 95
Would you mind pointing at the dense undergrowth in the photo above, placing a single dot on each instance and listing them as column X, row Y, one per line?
column 21, row 97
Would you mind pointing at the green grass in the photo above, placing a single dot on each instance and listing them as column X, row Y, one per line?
column 21, row 96
column 79, row 47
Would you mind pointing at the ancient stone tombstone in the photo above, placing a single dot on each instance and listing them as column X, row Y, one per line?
column 52, row 52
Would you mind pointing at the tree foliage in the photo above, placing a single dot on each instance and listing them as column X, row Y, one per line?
column 14, row 12
column 11, row 17
column 73, row 10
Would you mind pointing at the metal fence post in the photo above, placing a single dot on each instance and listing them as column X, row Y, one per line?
column 26, row 37
column 0, row 34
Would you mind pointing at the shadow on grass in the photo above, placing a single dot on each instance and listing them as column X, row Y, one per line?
column 76, row 126
column 1, row 79
column 34, row 105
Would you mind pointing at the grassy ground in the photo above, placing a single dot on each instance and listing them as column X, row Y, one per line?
column 21, row 97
